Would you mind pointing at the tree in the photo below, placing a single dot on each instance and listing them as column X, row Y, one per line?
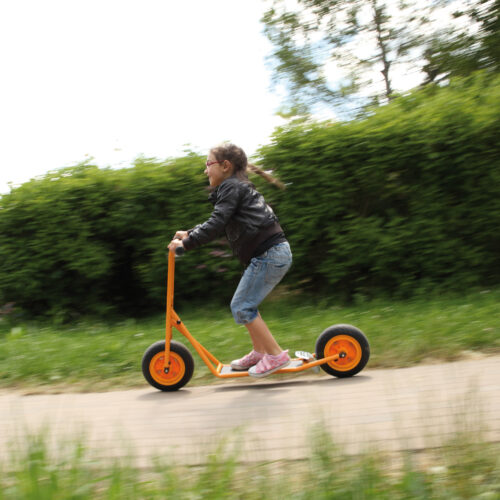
column 342, row 51
column 475, row 46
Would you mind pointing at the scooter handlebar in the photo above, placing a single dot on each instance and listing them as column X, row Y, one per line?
column 180, row 251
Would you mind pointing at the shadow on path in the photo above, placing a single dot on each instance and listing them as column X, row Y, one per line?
column 290, row 383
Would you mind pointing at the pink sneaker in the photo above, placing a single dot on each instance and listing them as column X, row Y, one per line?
column 247, row 361
column 270, row 364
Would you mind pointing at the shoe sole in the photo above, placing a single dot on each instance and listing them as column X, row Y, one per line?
column 238, row 368
column 265, row 374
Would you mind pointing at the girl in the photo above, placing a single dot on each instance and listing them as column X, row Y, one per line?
column 257, row 239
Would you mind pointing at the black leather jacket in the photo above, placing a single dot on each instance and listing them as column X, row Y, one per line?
column 242, row 213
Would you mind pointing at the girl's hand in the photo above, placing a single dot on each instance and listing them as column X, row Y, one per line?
column 180, row 235
column 174, row 244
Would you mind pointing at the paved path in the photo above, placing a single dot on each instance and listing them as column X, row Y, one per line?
column 409, row 408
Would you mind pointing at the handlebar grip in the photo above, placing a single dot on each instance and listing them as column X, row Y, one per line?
column 180, row 251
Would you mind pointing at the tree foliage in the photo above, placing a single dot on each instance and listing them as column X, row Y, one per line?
column 328, row 50
column 476, row 46
column 84, row 239
column 346, row 54
column 405, row 200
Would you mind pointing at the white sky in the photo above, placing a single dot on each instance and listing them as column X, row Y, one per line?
column 114, row 79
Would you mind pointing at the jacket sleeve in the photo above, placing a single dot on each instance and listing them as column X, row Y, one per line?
column 225, row 206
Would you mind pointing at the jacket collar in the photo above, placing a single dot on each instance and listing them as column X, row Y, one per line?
column 213, row 195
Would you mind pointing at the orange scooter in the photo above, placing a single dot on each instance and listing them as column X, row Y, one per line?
column 341, row 351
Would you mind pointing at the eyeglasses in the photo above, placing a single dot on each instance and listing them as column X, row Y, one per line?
column 208, row 163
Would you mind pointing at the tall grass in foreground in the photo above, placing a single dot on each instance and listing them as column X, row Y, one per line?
column 91, row 354
column 459, row 470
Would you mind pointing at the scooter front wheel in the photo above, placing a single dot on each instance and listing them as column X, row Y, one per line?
column 349, row 343
column 180, row 370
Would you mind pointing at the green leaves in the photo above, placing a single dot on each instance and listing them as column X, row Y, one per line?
column 326, row 51
column 94, row 240
column 406, row 199
column 403, row 201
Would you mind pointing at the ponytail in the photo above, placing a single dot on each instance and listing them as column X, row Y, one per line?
column 269, row 178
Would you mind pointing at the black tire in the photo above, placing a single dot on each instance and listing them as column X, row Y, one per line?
column 181, row 367
column 350, row 342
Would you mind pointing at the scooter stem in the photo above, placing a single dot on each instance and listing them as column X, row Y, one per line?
column 170, row 305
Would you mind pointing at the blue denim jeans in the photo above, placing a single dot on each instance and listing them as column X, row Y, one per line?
column 262, row 274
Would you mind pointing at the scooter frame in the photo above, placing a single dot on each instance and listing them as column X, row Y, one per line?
column 213, row 364
column 152, row 366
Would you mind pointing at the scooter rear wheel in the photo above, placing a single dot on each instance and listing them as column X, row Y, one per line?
column 180, row 370
column 352, row 346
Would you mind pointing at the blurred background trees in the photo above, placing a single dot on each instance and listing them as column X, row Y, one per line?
column 405, row 201
column 348, row 54
column 402, row 202
column 459, row 52
column 401, row 199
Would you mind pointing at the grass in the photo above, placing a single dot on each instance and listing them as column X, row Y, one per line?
column 95, row 355
column 461, row 469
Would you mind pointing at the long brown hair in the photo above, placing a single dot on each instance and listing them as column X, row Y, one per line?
column 238, row 159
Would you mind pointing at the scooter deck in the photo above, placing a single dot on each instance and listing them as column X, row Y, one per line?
column 294, row 363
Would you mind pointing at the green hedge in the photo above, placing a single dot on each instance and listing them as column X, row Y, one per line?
column 405, row 200
column 94, row 240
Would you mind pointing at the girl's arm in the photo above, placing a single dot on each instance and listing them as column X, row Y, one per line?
column 225, row 206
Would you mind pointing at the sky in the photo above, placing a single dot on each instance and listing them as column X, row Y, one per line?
column 112, row 80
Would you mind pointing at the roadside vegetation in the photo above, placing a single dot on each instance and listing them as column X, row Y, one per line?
column 460, row 469
column 99, row 355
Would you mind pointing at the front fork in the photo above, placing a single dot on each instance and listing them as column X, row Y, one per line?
column 168, row 338
column 170, row 307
